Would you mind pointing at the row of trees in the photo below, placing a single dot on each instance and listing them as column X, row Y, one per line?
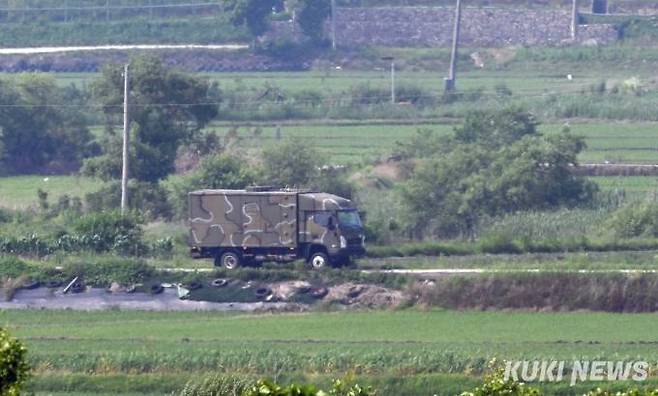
column 256, row 15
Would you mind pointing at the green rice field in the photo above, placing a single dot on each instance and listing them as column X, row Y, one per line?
column 410, row 345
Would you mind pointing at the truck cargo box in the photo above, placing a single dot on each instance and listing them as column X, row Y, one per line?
column 237, row 218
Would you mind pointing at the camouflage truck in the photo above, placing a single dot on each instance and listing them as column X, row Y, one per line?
column 246, row 227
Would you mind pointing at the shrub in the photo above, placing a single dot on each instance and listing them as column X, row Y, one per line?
column 110, row 231
column 495, row 385
column 215, row 385
column 148, row 198
column 635, row 220
column 215, row 171
column 102, row 272
column 13, row 267
column 13, row 366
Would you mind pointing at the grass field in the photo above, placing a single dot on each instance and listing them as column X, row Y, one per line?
column 21, row 191
column 404, row 344
column 615, row 142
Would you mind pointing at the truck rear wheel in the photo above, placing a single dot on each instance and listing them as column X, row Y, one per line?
column 319, row 260
column 228, row 260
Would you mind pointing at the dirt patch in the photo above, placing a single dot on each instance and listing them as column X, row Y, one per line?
column 364, row 296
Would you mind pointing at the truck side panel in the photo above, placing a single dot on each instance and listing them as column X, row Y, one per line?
column 243, row 220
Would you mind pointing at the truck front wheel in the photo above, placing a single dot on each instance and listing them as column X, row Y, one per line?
column 318, row 260
column 228, row 260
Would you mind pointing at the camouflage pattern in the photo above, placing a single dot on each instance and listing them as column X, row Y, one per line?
column 317, row 209
column 237, row 218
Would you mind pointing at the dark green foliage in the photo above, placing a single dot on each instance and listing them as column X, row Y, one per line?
column 215, row 171
column 13, row 267
column 635, row 220
column 333, row 182
column 292, row 163
column 312, row 16
column 149, row 199
column 168, row 108
column 495, row 163
column 102, row 271
column 37, row 136
column 255, row 14
column 111, row 231
column 14, row 370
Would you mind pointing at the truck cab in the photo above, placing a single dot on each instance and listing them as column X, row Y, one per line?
column 242, row 227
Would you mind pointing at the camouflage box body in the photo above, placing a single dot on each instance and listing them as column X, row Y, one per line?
column 276, row 219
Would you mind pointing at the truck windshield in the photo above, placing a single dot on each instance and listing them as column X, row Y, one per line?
column 349, row 218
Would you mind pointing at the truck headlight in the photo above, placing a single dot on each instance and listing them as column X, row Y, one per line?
column 343, row 242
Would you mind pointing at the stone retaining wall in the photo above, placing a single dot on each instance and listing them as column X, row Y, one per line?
column 481, row 27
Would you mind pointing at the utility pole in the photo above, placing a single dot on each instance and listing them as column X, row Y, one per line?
column 574, row 20
column 333, row 24
column 392, row 60
column 126, row 126
column 450, row 81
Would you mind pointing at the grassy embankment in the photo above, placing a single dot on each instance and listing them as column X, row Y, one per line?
column 403, row 353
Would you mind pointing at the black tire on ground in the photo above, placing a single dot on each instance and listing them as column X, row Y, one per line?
column 77, row 288
column 219, row 282
column 194, row 285
column 263, row 292
column 53, row 284
column 319, row 260
column 31, row 285
column 229, row 260
column 156, row 288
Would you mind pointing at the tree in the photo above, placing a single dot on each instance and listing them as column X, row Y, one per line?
column 489, row 169
column 39, row 129
column 312, row 16
column 13, row 366
column 255, row 14
column 291, row 163
column 215, row 171
column 167, row 109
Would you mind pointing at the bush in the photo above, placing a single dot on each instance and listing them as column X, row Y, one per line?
column 215, row 171
column 339, row 388
column 215, row 385
column 635, row 220
column 13, row 366
column 291, row 163
column 147, row 198
column 110, row 231
column 102, row 272
column 13, row 267
column 495, row 385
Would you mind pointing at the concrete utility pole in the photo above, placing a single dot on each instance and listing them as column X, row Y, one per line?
column 392, row 60
column 450, row 81
column 574, row 20
column 333, row 24
column 126, row 126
